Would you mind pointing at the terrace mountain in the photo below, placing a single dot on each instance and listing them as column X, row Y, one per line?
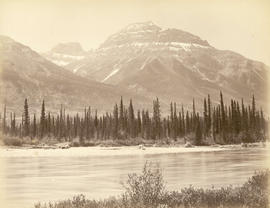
column 173, row 65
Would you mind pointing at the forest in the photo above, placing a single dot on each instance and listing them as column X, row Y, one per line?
column 221, row 123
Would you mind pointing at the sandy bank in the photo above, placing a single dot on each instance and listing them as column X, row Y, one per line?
column 109, row 151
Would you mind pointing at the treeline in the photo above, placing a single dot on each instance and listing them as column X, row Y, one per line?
column 233, row 123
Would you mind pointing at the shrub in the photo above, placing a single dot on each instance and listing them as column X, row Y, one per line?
column 255, row 191
column 88, row 144
column 146, row 189
column 75, row 144
column 10, row 141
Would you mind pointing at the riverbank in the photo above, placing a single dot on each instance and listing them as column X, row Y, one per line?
column 28, row 151
column 53, row 143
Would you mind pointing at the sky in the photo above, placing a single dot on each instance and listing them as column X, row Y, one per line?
column 239, row 25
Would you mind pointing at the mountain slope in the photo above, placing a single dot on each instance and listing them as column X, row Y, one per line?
column 25, row 74
column 173, row 65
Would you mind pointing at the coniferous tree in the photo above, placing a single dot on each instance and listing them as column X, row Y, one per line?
column 224, row 122
column 26, row 119
column 175, row 122
column 205, row 116
column 115, row 120
column 143, row 126
column 187, row 123
column 171, row 124
column 193, row 117
column 139, row 123
column 4, row 120
column 34, row 126
column 183, row 121
column 156, row 119
column 253, row 113
column 198, row 134
column 131, row 119
column 13, row 124
column 42, row 120
column 148, row 125
column 121, row 114
column 209, row 121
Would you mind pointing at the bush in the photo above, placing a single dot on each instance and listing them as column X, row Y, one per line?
column 10, row 141
column 145, row 189
column 75, row 144
column 255, row 191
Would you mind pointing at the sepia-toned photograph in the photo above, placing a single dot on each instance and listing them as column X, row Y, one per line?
column 134, row 103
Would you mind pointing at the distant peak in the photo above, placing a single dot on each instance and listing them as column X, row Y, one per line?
column 141, row 26
column 72, row 48
column 148, row 32
column 146, row 23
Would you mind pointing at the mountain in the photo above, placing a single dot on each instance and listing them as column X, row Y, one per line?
column 65, row 53
column 26, row 74
column 173, row 65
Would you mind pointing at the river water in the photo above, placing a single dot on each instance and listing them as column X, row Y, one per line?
column 27, row 180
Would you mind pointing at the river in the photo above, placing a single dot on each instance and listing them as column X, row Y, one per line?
column 25, row 180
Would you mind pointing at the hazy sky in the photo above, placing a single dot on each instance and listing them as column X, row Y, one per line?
column 239, row 25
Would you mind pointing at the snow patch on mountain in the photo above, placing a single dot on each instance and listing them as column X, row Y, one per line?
column 77, row 68
column 65, row 53
column 111, row 74
column 59, row 55
column 174, row 46
column 148, row 60
column 203, row 76
column 141, row 26
column 59, row 62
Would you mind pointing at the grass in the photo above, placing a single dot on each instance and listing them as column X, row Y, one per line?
column 147, row 190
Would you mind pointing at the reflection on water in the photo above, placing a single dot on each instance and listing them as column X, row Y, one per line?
column 27, row 180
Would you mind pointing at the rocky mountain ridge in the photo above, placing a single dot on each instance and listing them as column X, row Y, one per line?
column 173, row 65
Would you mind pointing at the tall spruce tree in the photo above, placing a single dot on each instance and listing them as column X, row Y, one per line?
column 131, row 119
column 34, row 126
column 205, row 116
column 42, row 119
column 121, row 114
column 26, row 119
column 198, row 134
column 209, row 121
column 156, row 119
column 115, row 121
column 4, row 120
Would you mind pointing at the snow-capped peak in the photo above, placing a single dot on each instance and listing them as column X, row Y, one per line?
column 148, row 32
column 149, row 25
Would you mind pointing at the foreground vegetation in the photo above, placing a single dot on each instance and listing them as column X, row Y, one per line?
column 222, row 124
column 147, row 190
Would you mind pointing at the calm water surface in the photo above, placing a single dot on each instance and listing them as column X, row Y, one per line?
column 27, row 180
